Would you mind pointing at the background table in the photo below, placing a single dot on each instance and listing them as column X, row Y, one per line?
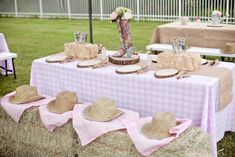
column 195, row 97
column 196, row 35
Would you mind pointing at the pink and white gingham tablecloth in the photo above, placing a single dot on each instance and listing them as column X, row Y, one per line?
column 4, row 48
column 194, row 98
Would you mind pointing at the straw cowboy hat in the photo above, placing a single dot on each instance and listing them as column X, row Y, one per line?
column 159, row 126
column 25, row 94
column 64, row 102
column 229, row 48
column 103, row 109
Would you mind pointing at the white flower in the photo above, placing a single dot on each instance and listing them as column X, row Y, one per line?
column 119, row 9
column 127, row 15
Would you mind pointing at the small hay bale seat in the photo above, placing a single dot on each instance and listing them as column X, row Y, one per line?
column 30, row 138
column 193, row 142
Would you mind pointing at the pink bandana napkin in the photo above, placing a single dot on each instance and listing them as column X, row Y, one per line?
column 52, row 120
column 147, row 146
column 15, row 111
column 90, row 130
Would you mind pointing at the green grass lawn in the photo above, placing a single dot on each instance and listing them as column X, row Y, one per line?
column 35, row 38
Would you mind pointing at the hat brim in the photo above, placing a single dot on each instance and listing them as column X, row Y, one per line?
column 145, row 130
column 98, row 118
column 14, row 101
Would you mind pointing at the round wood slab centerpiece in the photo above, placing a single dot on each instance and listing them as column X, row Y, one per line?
column 165, row 73
column 124, row 60
column 88, row 63
column 56, row 58
column 128, row 69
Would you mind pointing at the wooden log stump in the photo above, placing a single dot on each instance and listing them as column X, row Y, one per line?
column 124, row 61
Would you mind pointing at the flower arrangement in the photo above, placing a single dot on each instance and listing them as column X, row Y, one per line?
column 219, row 13
column 216, row 13
column 122, row 16
column 121, row 13
column 216, row 17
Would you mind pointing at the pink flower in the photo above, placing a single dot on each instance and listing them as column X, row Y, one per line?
column 113, row 16
column 217, row 13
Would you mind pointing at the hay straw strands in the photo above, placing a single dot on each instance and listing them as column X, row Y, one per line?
column 30, row 138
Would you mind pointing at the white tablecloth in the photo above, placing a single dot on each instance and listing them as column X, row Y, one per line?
column 195, row 97
column 4, row 48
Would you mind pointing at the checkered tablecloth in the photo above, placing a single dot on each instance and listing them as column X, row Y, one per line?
column 195, row 97
column 4, row 48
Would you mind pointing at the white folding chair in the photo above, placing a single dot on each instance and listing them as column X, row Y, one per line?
column 4, row 56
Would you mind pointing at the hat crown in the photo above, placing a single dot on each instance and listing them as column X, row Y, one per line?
column 160, row 125
column 163, row 121
column 26, row 91
column 66, row 100
column 103, row 106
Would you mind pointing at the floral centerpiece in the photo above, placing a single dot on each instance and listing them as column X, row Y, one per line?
column 216, row 13
column 122, row 16
column 216, row 17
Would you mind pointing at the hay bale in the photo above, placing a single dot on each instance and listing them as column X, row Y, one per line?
column 193, row 142
column 30, row 138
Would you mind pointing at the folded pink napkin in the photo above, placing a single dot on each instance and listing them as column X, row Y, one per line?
column 90, row 130
column 52, row 120
column 16, row 110
column 147, row 146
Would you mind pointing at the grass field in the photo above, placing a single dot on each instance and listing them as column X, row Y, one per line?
column 35, row 38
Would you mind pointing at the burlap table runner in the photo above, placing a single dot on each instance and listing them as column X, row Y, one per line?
column 225, row 82
column 225, row 79
column 199, row 36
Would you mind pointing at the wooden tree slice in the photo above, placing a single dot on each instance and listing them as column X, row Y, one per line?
column 204, row 62
column 88, row 63
column 124, row 61
column 154, row 59
column 56, row 58
column 128, row 69
column 165, row 73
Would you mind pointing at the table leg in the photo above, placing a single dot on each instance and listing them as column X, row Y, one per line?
column 222, row 58
column 13, row 64
column 6, row 67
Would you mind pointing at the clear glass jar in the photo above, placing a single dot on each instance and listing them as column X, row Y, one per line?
column 215, row 19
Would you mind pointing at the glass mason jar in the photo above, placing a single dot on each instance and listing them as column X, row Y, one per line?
column 215, row 19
